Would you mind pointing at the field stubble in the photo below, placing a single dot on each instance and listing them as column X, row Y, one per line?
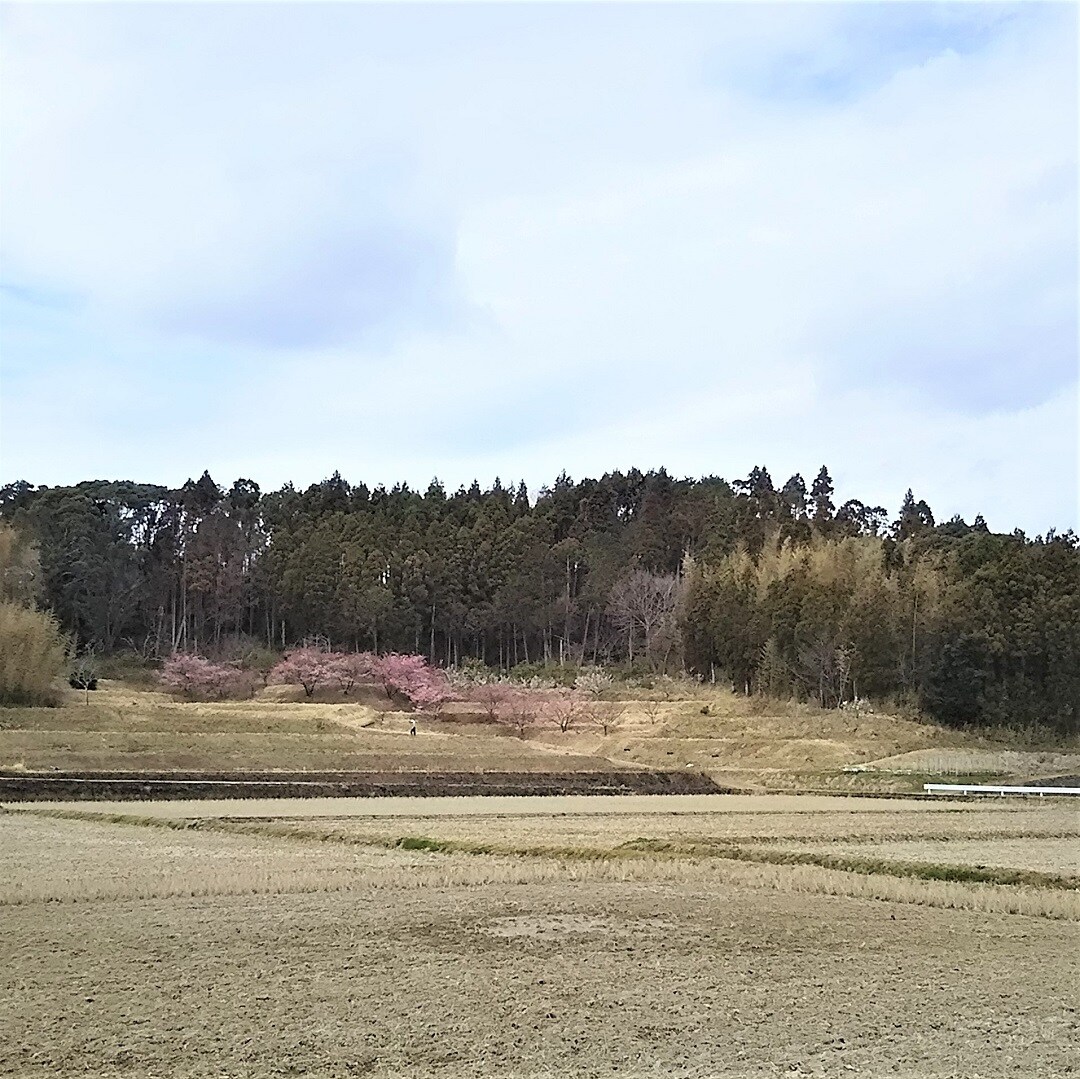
column 140, row 951
column 385, row 843
column 522, row 938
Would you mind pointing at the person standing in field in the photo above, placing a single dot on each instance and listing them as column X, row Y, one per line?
column 412, row 726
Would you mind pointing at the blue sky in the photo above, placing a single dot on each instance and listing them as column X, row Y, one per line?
column 405, row 241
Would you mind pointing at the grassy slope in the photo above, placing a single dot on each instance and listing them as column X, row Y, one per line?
column 125, row 728
column 740, row 741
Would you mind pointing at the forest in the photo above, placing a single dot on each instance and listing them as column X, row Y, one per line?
column 775, row 589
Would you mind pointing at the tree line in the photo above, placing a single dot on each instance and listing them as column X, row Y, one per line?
column 773, row 587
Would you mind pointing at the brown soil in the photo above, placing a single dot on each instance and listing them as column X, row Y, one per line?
column 144, row 786
column 143, row 952
column 540, row 981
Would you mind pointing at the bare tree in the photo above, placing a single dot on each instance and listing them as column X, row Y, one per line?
column 564, row 707
column 642, row 605
column 652, row 707
column 84, row 673
column 607, row 714
column 825, row 670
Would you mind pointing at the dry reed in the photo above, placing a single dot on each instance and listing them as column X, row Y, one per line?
column 32, row 656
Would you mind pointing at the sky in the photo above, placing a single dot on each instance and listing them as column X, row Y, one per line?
column 405, row 241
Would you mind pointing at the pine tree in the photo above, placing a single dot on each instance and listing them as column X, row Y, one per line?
column 821, row 494
column 793, row 496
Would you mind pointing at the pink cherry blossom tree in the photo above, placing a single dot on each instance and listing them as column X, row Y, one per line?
column 307, row 667
column 398, row 673
column 429, row 694
column 518, row 708
column 412, row 677
column 348, row 668
column 198, row 679
column 492, row 698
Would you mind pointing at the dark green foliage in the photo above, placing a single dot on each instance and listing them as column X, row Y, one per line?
column 956, row 681
column 1012, row 656
column 980, row 628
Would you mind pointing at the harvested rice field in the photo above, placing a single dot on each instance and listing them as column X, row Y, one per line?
column 1034, row 853
column 531, row 938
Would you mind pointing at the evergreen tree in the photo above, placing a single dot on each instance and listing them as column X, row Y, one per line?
column 821, row 495
column 793, row 497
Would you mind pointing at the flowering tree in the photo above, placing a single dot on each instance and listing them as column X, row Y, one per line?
column 491, row 697
column 306, row 666
column 521, row 710
column 413, row 678
column 399, row 673
column 593, row 682
column 431, row 693
column 507, row 703
column 348, row 668
column 196, row 677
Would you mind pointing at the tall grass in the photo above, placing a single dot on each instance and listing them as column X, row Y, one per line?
column 33, row 656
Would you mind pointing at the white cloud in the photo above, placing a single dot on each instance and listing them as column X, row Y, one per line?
column 515, row 240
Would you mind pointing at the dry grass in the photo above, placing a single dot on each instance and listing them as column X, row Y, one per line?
column 178, row 859
column 986, row 898
column 32, row 653
column 126, row 727
column 973, row 761
column 1039, row 854
column 754, row 736
column 779, row 814
column 742, row 742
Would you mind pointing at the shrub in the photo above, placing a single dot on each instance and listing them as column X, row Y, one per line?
column 130, row 667
column 198, row 679
column 472, row 672
column 33, row 656
column 250, row 653
column 593, row 681
column 546, row 674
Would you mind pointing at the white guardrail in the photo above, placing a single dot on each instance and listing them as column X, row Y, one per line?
column 978, row 788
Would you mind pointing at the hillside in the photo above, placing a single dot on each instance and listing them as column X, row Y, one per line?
column 738, row 741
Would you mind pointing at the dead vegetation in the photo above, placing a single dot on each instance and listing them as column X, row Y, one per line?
column 453, row 938
column 772, row 858
column 748, row 743
column 674, row 725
